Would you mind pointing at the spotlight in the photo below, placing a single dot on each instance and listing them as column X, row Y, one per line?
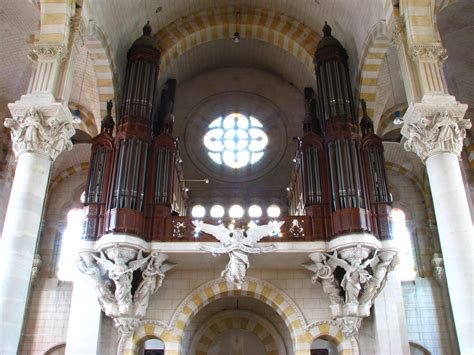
column 236, row 37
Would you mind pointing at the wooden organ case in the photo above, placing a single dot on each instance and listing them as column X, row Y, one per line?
column 136, row 185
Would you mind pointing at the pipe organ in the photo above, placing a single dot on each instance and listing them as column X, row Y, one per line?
column 136, row 186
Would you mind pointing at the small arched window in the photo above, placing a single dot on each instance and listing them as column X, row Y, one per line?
column 402, row 236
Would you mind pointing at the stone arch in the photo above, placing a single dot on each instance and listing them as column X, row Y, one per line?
column 55, row 19
column 88, row 124
column 377, row 44
column 59, row 349
column 254, row 23
column 420, row 20
column 151, row 330
column 241, row 320
column 329, row 330
column 386, row 120
column 100, row 50
column 406, row 173
column 66, row 173
column 255, row 288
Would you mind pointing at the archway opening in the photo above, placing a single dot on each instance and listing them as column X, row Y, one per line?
column 237, row 325
column 323, row 346
column 153, row 346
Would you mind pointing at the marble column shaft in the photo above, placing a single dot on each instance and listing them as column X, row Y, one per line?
column 20, row 235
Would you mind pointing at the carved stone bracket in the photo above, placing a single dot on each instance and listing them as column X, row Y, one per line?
column 428, row 52
column 40, row 124
column 352, row 278
column 37, row 263
column 349, row 325
column 437, row 263
column 114, row 271
column 435, row 125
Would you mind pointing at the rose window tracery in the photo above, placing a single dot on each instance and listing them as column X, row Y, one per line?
column 236, row 140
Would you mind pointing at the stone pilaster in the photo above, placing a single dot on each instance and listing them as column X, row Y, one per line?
column 47, row 61
column 398, row 39
column 429, row 59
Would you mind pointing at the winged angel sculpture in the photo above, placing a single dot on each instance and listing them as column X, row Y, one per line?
column 238, row 244
column 121, row 270
column 359, row 285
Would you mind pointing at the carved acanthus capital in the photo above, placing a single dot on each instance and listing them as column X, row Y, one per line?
column 39, row 126
column 113, row 271
column 397, row 30
column 428, row 52
column 434, row 126
column 351, row 278
column 48, row 52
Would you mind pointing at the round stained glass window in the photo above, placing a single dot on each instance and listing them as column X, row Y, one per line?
column 235, row 140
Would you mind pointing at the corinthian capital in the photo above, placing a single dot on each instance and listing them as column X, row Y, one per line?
column 430, row 51
column 40, row 125
column 434, row 126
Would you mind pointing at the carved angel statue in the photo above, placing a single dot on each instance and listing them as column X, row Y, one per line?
column 324, row 274
column 354, row 277
column 381, row 264
column 121, row 272
column 87, row 265
column 153, row 276
column 238, row 244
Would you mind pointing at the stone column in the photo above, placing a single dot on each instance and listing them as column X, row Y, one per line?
column 390, row 324
column 435, row 130
column 83, row 332
column 41, row 129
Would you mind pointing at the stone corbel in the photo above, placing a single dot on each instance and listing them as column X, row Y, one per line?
column 437, row 263
column 114, row 271
column 351, row 278
column 39, row 124
column 37, row 263
column 435, row 125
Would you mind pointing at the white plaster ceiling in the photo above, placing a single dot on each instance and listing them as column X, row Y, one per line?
column 245, row 54
column 19, row 24
column 351, row 20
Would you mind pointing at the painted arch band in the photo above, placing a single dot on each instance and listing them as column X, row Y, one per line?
column 236, row 140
